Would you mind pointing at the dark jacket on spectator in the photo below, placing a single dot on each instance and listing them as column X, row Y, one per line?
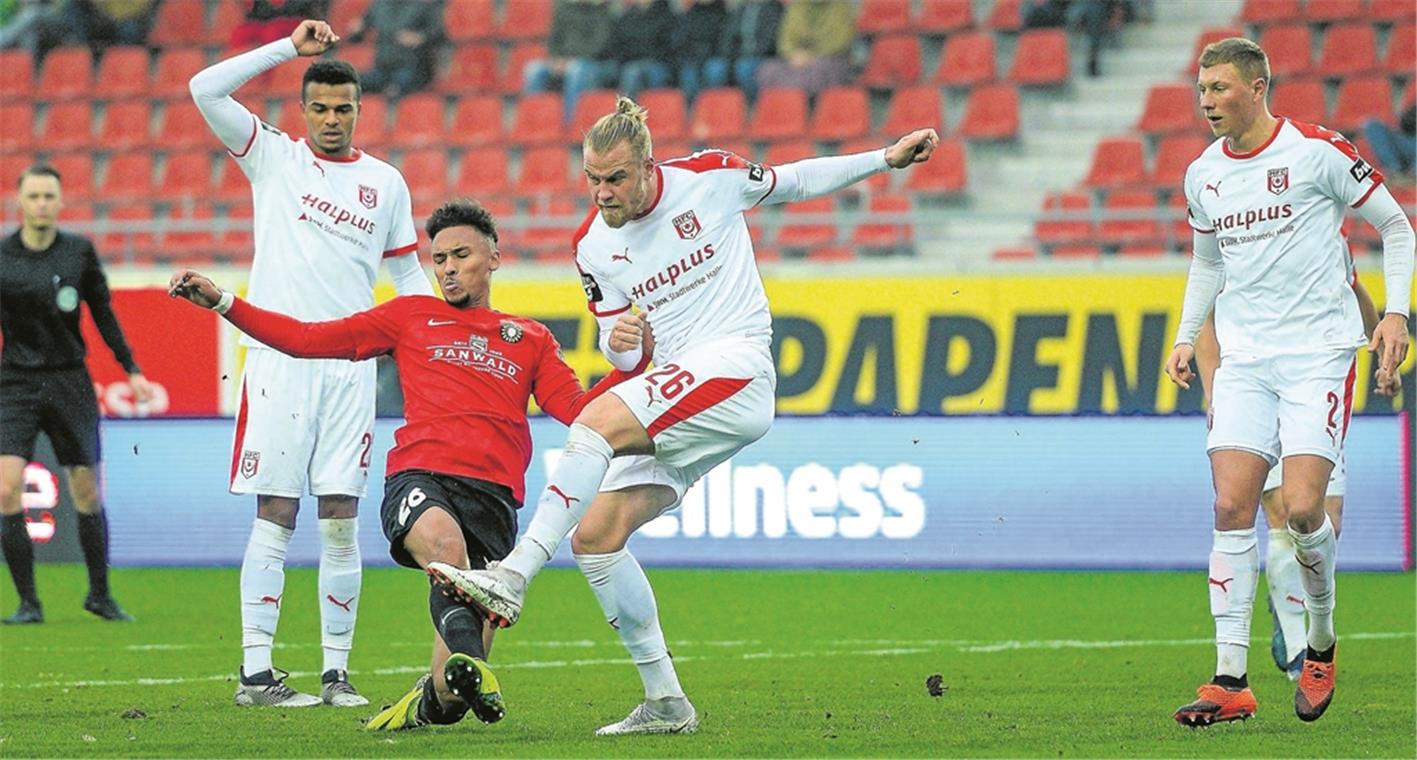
column 580, row 29
column 699, row 30
column 751, row 31
column 642, row 30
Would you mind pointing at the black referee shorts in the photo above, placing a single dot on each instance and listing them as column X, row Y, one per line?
column 485, row 511
column 59, row 402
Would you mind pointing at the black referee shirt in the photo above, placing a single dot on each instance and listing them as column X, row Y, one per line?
column 40, row 292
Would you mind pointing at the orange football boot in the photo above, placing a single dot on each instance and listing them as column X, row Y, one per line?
column 1217, row 704
column 1315, row 689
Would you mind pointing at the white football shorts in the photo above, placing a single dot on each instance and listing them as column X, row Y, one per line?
column 1337, row 480
column 700, row 409
column 1283, row 405
column 303, row 421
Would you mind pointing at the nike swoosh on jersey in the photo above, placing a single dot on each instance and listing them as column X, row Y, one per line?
column 439, row 322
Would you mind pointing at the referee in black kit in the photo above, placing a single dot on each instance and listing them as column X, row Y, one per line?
column 44, row 384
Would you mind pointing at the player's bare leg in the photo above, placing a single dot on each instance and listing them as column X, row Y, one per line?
column 341, row 574
column 1315, row 548
column 604, row 429
column 93, row 538
column 262, row 589
column 15, row 540
column 624, row 593
column 1234, row 573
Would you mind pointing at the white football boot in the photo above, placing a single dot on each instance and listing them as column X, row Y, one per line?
column 265, row 690
column 496, row 590
column 671, row 715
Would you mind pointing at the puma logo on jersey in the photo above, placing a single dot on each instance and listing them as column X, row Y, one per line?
column 321, row 168
column 1214, row 188
column 624, row 256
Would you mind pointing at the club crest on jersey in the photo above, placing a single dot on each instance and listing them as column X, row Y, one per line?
column 512, row 332
column 250, row 462
column 1278, row 180
column 687, row 225
column 368, row 196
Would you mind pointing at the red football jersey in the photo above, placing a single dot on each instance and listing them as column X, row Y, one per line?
column 466, row 376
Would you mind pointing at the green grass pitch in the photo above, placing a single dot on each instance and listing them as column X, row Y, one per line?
column 792, row 664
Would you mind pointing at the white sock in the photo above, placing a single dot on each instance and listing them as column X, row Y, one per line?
column 340, row 574
column 1234, row 574
column 573, row 486
column 1316, row 553
column 626, row 598
column 262, row 585
column 1286, row 591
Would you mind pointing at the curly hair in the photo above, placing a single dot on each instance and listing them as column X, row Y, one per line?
column 461, row 212
column 330, row 71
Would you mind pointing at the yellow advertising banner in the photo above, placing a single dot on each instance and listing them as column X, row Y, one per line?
column 972, row 344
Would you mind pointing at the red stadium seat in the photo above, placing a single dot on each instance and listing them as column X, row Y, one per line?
column 1066, row 218
column 1139, row 220
column 795, row 232
column 189, row 230
column 182, row 127
column 591, row 105
column 883, row 16
column 465, row 20
column 544, row 172
column 68, row 73
column 473, row 68
column 538, row 120
column 179, row 25
column 914, row 108
column 227, row 17
column 129, row 177
column 1334, row 10
column 123, row 73
column 1014, row 254
column 175, row 68
column 892, row 234
column 1173, row 156
column 720, row 113
column 1076, row 251
column 525, row 19
column 1179, row 230
column 1349, row 49
column 360, row 55
column 1170, row 108
column 483, row 173
column 1270, row 12
column 126, row 125
column 830, row 254
column 510, row 80
column 1360, row 99
column 1041, row 58
column 944, row 173
column 188, row 176
column 129, row 231
column 779, row 114
column 667, row 112
column 1207, row 36
column 786, row 151
column 477, row 121
column 77, row 173
column 419, row 120
column 1006, row 16
column 371, row 132
column 894, row 62
column 426, row 171
column 1401, row 50
column 68, row 126
column 944, row 16
column 1290, row 48
column 879, row 182
column 1151, row 250
column 16, row 129
column 665, row 150
column 968, row 59
column 1393, row 10
column 16, row 74
column 235, row 238
column 841, row 113
column 1117, row 162
column 343, row 14
column 1302, row 100
column 553, row 238
column 991, row 113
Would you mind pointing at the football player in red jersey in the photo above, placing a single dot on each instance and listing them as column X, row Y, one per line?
column 467, row 372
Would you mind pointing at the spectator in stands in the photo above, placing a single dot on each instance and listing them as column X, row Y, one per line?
column 1043, row 14
column 1394, row 148
column 698, row 30
column 95, row 23
column 639, row 48
column 269, row 20
column 578, row 49
column 812, row 46
column 749, row 38
column 1096, row 19
column 19, row 21
column 407, row 37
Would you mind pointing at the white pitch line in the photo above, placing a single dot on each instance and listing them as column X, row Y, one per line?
column 853, row 648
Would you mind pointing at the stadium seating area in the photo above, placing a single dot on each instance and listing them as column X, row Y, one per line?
column 142, row 168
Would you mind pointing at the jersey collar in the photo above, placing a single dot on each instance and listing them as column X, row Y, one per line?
column 1278, row 125
column 351, row 158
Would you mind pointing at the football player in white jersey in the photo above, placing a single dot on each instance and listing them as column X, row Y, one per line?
column 326, row 214
column 669, row 239
column 1266, row 201
column 1286, row 591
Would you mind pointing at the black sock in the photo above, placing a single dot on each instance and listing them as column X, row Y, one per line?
column 459, row 624
column 1317, row 656
column 93, row 537
column 435, row 712
column 19, row 555
column 1231, row 682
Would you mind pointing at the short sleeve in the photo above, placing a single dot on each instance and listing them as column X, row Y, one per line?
column 1196, row 215
column 741, row 183
column 402, row 237
column 263, row 155
column 602, row 297
column 1345, row 175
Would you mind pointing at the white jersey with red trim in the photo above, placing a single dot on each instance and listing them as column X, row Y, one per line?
column 688, row 261
column 322, row 225
column 1277, row 212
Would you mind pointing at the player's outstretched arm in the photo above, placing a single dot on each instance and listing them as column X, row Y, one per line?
column 914, row 148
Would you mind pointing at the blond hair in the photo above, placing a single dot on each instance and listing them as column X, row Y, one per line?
column 629, row 124
column 1248, row 57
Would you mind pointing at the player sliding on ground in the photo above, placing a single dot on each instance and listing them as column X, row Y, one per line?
column 670, row 239
column 456, row 472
